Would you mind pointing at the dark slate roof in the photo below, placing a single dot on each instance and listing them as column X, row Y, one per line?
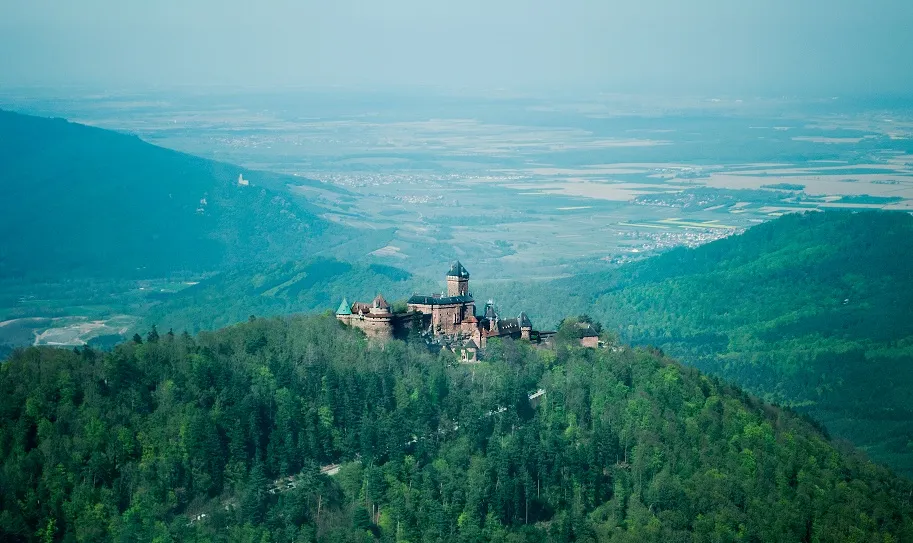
column 444, row 300
column 508, row 326
column 457, row 270
column 586, row 331
column 490, row 312
column 524, row 320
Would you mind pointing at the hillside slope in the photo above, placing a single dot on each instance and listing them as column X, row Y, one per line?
column 813, row 311
column 77, row 200
column 313, row 285
column 221, row 438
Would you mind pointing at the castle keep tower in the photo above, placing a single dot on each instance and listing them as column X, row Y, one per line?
column 450, row 319
column 457, row 280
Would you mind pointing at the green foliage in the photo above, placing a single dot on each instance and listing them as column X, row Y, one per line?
column 279, row 289
column 811, row 310
column 784, row 186
column 221, row 437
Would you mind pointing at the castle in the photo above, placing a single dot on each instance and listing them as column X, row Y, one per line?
column 451, row 317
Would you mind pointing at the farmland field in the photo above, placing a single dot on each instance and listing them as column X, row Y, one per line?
column 518, row 186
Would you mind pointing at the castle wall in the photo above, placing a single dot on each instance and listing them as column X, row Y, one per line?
column 443, row 316
column 591, row 342
column 373, row 327
column 468, row 327
column 457, row 286
column 479, row 338
column 425, row 310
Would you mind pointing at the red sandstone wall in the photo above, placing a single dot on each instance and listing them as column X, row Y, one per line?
column 457, row 287
column 443, row 316
column 590, row 342
column 374, row 328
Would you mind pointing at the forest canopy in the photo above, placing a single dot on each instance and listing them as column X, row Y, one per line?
column 300, row 430
column 810, row 310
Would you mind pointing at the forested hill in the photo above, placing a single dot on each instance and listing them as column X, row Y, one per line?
column 812, row 310
column 78, row 200
column 222, row 437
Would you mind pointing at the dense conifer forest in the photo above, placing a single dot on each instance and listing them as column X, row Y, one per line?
column 223, row 437
column 811, row 310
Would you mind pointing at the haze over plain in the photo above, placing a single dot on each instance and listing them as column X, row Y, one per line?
column 663, row 46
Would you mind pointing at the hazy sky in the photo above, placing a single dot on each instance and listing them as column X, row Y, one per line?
column 819, row 47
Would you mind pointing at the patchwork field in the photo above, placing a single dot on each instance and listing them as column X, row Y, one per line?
column 522, row 187
column 78, row 312
column 68, row 331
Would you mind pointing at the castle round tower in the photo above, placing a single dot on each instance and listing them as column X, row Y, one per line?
column 457, row 280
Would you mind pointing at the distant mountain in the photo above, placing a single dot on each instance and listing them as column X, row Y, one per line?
column 292, row 430
column 810, row 310
column 313, row 285
column 78, row 200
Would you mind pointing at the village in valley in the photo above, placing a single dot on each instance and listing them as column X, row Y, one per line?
column 449, row 320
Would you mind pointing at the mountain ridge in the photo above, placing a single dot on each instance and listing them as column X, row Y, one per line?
column 148, row 210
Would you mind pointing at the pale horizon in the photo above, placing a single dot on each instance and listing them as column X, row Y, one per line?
column 662, row 47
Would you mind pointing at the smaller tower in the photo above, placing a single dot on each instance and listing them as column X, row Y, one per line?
column 526, row 326
column 457, row 280
column 492, row 316
column 379, row 305
column 344, row 313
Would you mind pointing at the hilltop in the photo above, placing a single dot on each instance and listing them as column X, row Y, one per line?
column 807, row 311
column 810, row 310
column 301, row 430
column 87, row 202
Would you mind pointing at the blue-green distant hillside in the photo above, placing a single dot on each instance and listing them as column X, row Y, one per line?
column 814, row 311
column 78, row 200
column 315, row 285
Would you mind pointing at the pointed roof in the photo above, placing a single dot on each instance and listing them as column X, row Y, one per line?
column 490, row 312
column 457, row 270
column 585, row 329
column 524, row 321
column 380, row 302
column 344, row 308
